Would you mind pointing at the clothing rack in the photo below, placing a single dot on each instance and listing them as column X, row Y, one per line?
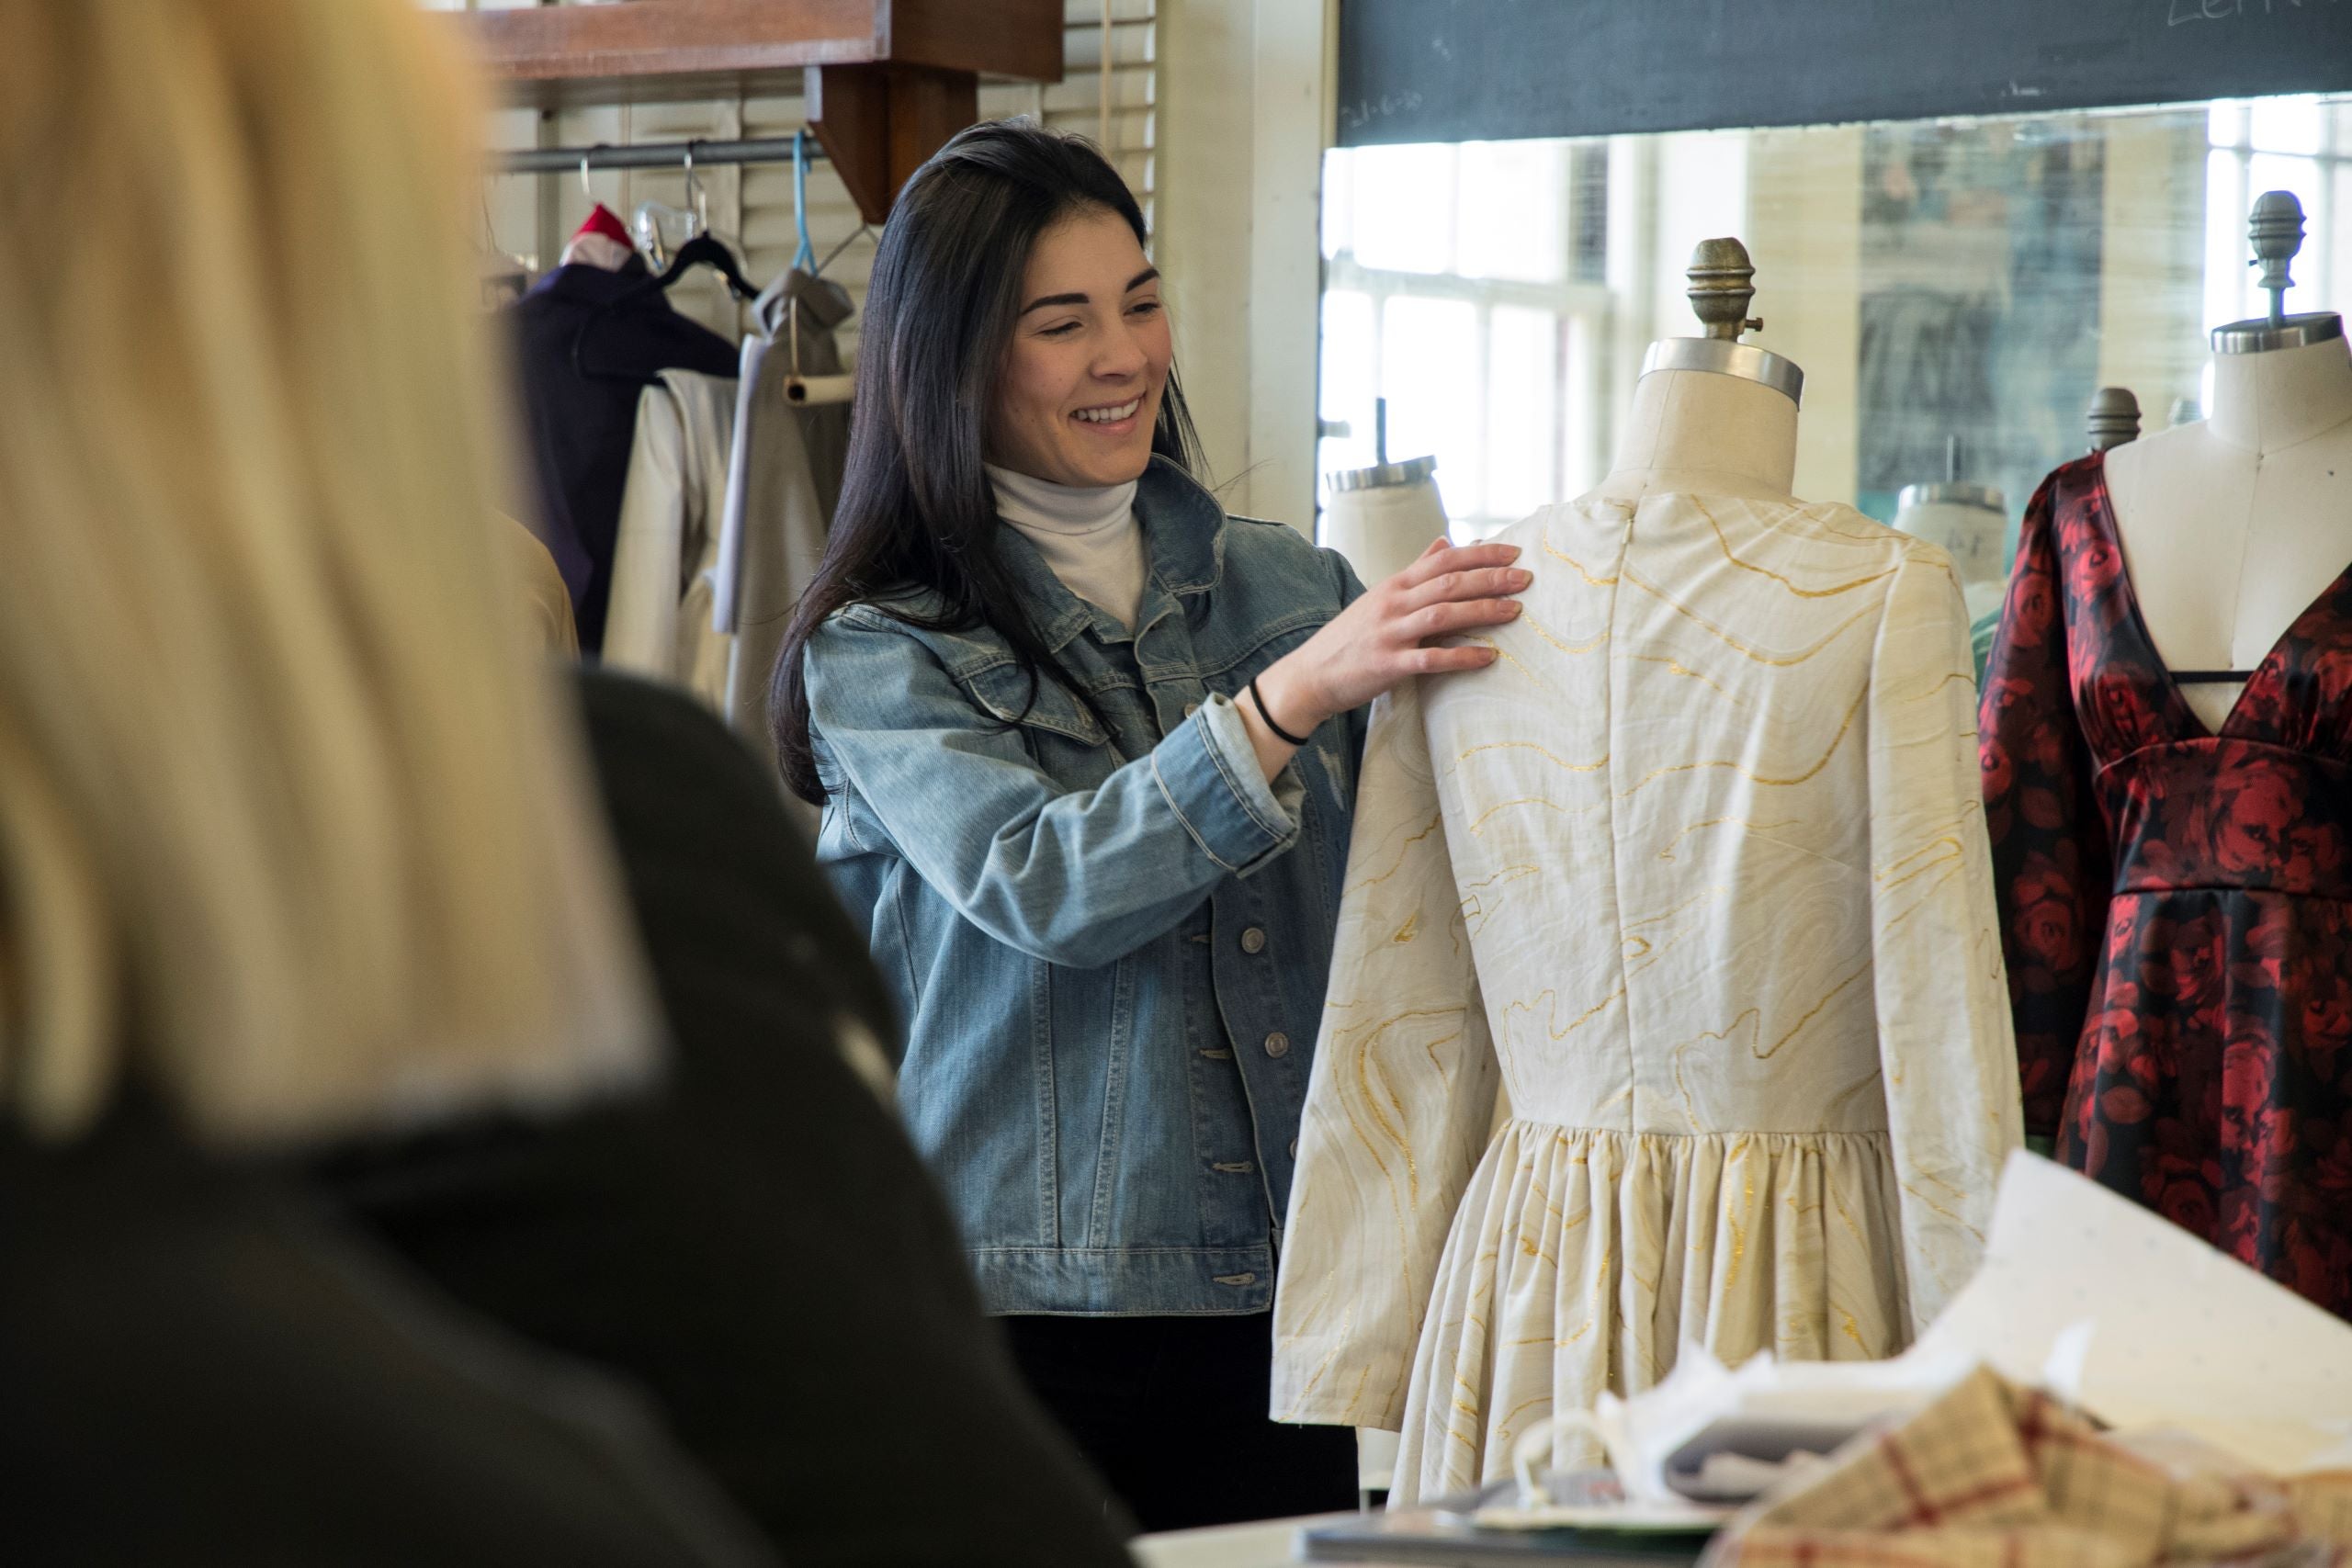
column 883, row 82
column 654, row 155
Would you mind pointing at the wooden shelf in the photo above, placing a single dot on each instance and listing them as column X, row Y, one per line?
column 886, row 82
column 645, row 51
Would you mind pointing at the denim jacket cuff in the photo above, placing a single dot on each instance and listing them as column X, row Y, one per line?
column 1209, row 772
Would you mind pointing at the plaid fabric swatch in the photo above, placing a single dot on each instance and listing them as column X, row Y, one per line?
column 1993, row 1475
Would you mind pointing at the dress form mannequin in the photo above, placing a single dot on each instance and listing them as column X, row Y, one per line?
column 1724, row 715
column 1382, row 517
column 2233, row 525
column 1968, row 522
column 1712, row 414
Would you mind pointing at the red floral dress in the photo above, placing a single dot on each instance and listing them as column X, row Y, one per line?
column 2176, row 905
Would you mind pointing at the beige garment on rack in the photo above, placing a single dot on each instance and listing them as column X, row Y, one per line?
column 782, row 486
column 665, row 555
column 1696, row 872
column 546, row 604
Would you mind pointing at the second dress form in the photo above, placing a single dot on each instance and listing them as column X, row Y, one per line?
column 2231, row 527
column 2174, row 858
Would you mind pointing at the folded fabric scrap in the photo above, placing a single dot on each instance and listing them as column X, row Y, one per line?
column 1994, row 1475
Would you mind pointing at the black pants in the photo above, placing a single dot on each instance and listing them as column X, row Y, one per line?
column 1172, row 1412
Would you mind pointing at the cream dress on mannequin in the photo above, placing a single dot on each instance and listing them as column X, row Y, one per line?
column 1696, row 875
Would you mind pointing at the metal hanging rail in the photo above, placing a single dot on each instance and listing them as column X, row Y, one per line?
column 651, row 155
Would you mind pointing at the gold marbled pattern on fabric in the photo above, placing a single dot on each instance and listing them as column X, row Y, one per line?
column 1696, row 873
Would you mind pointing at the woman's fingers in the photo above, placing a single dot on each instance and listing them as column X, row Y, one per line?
column 1460, row 615
column 1385, row 637
column 1484, row 582
column 1420, row 570
column 1441, row 660
column 1441, row 558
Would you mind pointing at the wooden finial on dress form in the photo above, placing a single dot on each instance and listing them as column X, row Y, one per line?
column 1722, row 287
column 1722, row 284
column 2113, row 418
column 2276, row 229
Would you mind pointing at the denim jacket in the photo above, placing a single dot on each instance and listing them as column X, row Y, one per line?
column 1109, row 949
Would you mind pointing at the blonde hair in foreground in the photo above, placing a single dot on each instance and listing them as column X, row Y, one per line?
column 291, row 825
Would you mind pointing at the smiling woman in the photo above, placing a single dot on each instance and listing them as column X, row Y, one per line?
column 1083, row 378
column 1087, row 749
column 1072, row 425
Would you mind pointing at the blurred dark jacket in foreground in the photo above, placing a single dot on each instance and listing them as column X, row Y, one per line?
column 755, row 1241
column 195, row 1368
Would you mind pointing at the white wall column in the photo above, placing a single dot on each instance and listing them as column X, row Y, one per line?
column 1244, row 114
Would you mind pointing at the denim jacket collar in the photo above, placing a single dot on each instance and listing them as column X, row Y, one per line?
column 1183, row 531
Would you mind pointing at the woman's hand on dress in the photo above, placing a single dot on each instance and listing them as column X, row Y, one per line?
column 1397, row 629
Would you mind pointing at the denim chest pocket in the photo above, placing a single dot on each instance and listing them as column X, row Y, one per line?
column 1064, row 740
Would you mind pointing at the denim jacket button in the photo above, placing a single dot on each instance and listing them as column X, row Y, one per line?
column 1191, row 708
column 1253, row 940
column 1277, row 1044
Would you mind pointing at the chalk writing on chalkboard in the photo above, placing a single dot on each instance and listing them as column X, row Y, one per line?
column 2187, row 11
column 1366, row 110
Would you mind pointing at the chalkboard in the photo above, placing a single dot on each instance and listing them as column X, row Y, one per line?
column 1490, row 70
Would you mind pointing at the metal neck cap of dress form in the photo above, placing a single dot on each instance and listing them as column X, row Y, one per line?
column 1721, row 286
column 1380, row 476
column 2113, row 419
column 1953, row 491
column 2276, row 229
column 1383, row 473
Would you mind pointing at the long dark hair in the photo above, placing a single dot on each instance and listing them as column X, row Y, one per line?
column 916, row 509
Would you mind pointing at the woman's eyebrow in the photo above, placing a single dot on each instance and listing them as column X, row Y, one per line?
column 1148, row 274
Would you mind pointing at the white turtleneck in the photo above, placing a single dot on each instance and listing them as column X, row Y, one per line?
column 1090, row 538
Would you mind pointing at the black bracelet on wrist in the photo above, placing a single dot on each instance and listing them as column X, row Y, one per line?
column 1280, row 733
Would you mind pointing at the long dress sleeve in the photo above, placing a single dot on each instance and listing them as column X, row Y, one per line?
column 1399, row 1106
column 1079, row 877
column 2050, row 872
column 1943, row 1019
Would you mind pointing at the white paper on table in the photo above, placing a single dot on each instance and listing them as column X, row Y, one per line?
column 1642, row 1433
column 2107, row 1304
column 2118, row 1310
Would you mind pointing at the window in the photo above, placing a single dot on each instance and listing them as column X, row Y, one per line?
column 1462, row 286
column 1940, row 281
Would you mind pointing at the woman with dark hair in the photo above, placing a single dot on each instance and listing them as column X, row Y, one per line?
column 1087, row 752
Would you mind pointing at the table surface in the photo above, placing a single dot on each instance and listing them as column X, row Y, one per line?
column 1268, row 1543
